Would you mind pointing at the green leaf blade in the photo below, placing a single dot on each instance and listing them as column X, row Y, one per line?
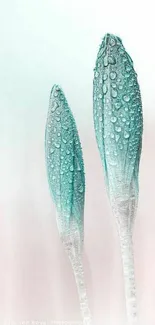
column 64, row 162
column 118, row 117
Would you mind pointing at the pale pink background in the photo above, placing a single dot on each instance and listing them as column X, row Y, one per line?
column 56, row 41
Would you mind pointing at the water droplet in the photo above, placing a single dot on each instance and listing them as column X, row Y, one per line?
column 71, row 168
column 100, row 119
column 58, row 112
column 120, row 87
column 126, row 108
column 96, row 74
column 117, row 136
column 58, row 119
column 54, row 107
column 112, row 135
column 101, row 51
column 105, row 61
column 78, row 168
column 105, row 76
column 59, row 134
column 112, row 42
column 121, row 51
column 124, row 59
column 56, row 93
column 131, row 83
column 123, row 119
column 81, row 189
column 100, row 96
column 126, row 135
column 113, row 85
column 118, row 105
column 113, row 75
column 113, row 119
column 65, row 127
column 118, row 128
column 126, row 98
column 114, row 93
column 105, row 89
column 127, row 75
column 57, row 145
column 128, row 68
column 51, row 150
column 61, row 172
column 64, row 140
column 111, row 59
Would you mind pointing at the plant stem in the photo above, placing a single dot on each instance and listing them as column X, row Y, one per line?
column 124, row 211
column 75, row 256
column 129, row 276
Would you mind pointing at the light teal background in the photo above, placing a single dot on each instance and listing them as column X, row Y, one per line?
column 51, row 41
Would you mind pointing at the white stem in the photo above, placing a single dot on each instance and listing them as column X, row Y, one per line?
column 129, row 277
column 124, row 211
column 74, row 251
column 77, row 266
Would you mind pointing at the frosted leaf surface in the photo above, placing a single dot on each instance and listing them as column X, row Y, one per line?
column 118, row 121
column 64, row 162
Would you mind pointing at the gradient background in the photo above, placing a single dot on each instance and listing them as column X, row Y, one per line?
column 52, row 41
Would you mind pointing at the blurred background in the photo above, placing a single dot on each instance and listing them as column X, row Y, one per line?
column 54, row 41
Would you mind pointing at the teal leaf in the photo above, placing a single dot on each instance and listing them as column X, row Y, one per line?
column 118, row 121
column 64, row 162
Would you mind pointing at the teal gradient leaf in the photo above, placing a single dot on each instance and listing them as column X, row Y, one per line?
column 64, row 162
column 118, row 120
